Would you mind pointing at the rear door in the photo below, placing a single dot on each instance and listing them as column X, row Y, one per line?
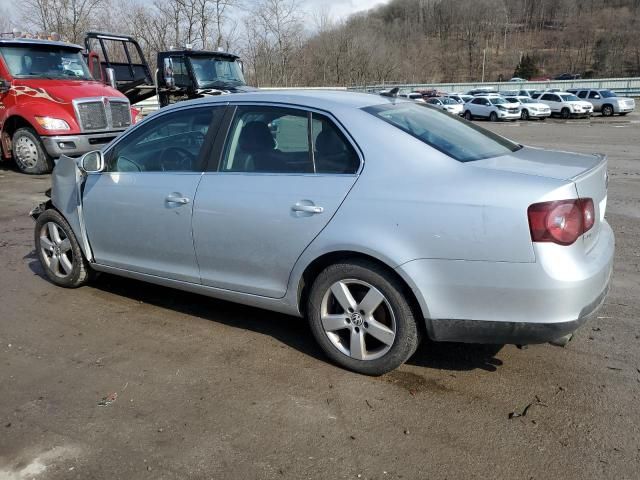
column 282, row 175
column 553, row 101
column 138, row 211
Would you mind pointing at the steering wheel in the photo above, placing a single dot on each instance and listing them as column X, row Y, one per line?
column 175, row 159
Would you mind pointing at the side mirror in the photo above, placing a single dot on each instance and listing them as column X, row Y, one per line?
column 4, row 86
column 92, row 162
column 169, row 80
column 111, row 77
column 597, row 96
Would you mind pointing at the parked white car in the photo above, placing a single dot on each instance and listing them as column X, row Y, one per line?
column 415, row 96
column 606, row 101
column 492, row 107
column 461, row 98
column 566, row 104
column 530, row 108
column 447, row 104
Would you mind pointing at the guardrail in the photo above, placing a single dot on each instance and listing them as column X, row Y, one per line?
column 622, row 86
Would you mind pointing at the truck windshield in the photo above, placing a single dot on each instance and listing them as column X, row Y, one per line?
column 42, row 61
column 216, row 72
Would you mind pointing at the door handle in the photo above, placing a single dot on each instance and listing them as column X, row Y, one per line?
column 177, row 199
column 298, row 207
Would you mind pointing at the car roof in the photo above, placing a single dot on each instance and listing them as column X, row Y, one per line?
column 36, row 41
column 321, row 99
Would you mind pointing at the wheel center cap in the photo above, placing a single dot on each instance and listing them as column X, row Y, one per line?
column 357, row 319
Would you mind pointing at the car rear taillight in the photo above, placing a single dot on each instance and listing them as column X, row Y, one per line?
column 562, row 221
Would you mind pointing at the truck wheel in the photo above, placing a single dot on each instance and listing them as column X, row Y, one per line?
column 29, row 152
column 607, row 111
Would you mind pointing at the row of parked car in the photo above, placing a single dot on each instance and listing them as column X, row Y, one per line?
column 526, row 104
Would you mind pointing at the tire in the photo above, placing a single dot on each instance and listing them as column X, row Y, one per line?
column 468, row 116
column 62, row 261
column 607, row 110
column 524, row 114
column 335, row 328
column 493, row 117
column 29, row 153
column 565, row 113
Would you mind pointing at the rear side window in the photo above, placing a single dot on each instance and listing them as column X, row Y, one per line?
column 454, row 137
column 285, row 140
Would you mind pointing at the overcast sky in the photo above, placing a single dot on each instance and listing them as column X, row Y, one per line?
column 338, row 9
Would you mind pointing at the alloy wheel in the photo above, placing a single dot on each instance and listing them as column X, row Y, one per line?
column 56, row 250
column 26, row 153
column 358, row 319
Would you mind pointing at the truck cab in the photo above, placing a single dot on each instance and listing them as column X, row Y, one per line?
column 187, row 74
column 50, row 104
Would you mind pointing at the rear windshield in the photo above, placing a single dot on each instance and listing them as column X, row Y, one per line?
column 454, row 137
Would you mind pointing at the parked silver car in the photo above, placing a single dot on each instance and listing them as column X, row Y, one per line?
column 605, row 101
column 376, row 218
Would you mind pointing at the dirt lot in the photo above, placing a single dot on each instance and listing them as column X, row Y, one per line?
column 212, row 390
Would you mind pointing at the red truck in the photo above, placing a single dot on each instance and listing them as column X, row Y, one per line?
column 51, row 105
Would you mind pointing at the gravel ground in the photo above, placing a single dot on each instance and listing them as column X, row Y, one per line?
column 212, row 390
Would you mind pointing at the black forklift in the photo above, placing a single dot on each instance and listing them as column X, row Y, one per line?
column 180, row 75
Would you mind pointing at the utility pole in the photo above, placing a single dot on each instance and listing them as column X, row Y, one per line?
column 484, row 58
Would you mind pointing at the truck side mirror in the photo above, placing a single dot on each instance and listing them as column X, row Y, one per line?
column 92, row 162
column 111, row 77
column 4, row 86
column 167, row 69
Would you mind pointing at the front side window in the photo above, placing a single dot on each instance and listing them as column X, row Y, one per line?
column 45, row 61
column 180, row 72
column 549, row 98
column 462, row 141
column 279, row 140
column 169, row 143
column 593, row 95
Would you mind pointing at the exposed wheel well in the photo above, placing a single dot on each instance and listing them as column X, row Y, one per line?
column 320, row 263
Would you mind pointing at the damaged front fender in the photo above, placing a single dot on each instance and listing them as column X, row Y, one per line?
column 67, row 181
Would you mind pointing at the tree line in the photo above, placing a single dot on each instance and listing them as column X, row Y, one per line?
column 408, row 41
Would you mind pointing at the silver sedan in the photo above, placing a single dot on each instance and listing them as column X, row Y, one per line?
column 377, row 219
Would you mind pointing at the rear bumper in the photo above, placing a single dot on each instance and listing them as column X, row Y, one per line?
column 520, row 303
column 75, row 145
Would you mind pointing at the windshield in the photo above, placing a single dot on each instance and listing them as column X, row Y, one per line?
column 449, row 101
column 497, row 101
column 454, row 137
column 607, row 94
column 526, row 100
column 44, row 61
column 569, row 98
column 216, row 72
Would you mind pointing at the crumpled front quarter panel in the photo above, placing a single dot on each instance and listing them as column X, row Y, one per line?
column 66, row 196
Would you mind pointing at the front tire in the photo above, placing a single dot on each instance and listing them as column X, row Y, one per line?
column 607, row 111
column 468, row 116
column 493, row 117
column 361, row 318
column 59, row 252
column 524, row 114
column 565, row 113
column 29, row 152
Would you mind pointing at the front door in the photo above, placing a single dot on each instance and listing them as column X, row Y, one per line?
column 282, row 176
column 138, row 211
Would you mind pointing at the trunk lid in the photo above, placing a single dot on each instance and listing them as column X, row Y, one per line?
column 587, row 172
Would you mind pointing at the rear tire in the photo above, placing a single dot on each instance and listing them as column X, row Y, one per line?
column 59, row 252
column 29, row 152
column 361, row 318
column 468, row 116
column 493, row 117
column 565, row 113
column 607, row 110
